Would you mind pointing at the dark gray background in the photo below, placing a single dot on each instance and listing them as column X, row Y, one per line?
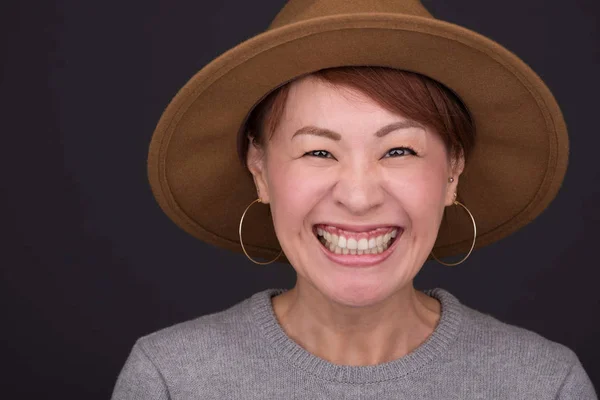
column 89, row 261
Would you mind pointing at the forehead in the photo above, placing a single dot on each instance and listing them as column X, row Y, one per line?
column 315, row 104
column 315, row 108
column 313, row 100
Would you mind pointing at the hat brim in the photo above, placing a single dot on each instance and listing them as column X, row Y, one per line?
column 514, row 172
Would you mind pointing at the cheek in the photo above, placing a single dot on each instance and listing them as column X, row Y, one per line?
column 421, row 191
column 294, row 192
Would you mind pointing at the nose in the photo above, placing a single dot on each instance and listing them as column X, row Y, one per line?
column 359, row 188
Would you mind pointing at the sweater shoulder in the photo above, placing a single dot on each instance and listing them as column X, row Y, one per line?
column 201, row 337
column 483, row 333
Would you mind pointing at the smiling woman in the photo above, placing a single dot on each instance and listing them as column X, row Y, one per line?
column 359, row 123
column 360, row 171
column 419, row 105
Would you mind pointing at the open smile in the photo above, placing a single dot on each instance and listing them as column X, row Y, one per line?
column 351, row 248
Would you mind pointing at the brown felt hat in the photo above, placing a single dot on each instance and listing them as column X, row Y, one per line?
column 513, row 173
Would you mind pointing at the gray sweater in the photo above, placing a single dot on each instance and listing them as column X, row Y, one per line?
column 243, row 353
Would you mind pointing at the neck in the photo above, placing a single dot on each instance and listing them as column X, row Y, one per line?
column 348, row 335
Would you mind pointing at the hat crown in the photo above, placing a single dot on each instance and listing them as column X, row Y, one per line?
column 302, row 10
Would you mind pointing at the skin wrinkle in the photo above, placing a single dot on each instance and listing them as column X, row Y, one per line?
column 353, row 316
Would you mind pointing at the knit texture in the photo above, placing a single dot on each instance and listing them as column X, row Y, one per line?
column 243, row 353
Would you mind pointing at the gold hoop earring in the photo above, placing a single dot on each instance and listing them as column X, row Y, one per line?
column 458, row 203
column 240, row 233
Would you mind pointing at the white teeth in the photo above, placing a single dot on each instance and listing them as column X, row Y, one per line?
column 342, row 245
column 363, row 244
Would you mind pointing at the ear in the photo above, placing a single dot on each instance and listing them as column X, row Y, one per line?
column 255, row 161
column 457, row 165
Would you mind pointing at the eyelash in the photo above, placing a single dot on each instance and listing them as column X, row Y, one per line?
column 407, row 150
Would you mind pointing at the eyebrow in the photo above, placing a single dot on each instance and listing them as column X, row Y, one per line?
column 313, row 130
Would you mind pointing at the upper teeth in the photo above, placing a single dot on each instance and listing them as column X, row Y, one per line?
column 361, row 244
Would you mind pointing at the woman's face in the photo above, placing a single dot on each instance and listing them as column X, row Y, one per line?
column 340, row 163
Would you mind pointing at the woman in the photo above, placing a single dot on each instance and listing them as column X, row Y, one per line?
column 379, row 137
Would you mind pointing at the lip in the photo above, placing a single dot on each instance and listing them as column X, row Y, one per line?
column 362, row 260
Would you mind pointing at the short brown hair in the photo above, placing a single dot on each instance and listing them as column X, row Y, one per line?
column 410, row 94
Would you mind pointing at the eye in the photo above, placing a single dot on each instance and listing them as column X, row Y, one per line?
column 318, row 153
column 401, row 151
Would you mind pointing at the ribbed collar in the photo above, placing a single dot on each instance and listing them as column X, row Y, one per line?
column 434, row 346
